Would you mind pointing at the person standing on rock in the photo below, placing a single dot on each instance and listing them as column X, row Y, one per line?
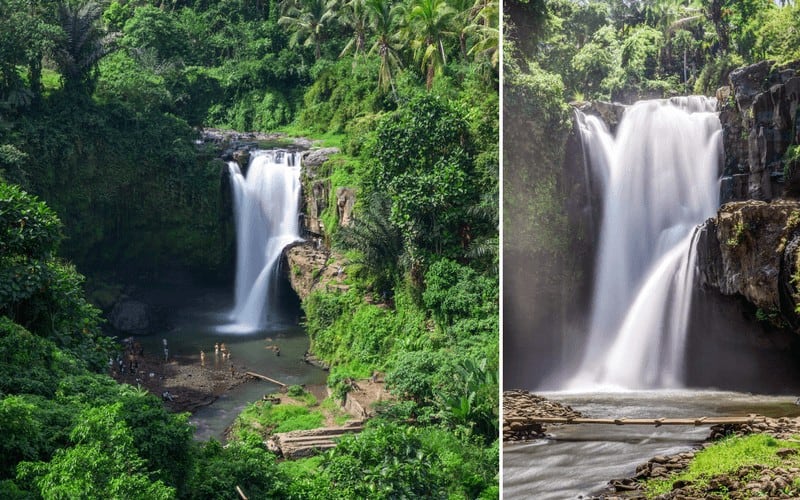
column 202, row 358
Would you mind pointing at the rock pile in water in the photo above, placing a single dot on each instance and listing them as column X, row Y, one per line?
column 780, row 428
column 518, row 404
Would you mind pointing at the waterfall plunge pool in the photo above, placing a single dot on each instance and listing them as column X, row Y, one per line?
column 196, row 315
column 579, row 460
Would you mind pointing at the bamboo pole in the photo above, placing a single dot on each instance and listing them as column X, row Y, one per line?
column 240, row 492
column 264, row 377
column 640, row 421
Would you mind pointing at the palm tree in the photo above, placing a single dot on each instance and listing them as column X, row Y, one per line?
column 355, row 16
column 463, row 19
column 83, row 44
column 715, row 12
column 378, row 241
column 429, row 23
column 384, row 23
column 486, row 27
column 308, row 18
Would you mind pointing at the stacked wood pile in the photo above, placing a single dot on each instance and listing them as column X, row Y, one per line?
column 299, row 444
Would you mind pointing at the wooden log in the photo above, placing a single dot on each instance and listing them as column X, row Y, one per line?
column 264, row 377
column 639, row 421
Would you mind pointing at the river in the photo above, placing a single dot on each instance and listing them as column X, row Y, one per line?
column 579, row 460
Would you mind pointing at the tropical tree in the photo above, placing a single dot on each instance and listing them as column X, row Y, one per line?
column 83, row 44
column 354, row 15
column 464, row 15
column 378, row 242
column 430, row 21
column 486, row 28
column 384, row 23
column 307, row 18
column 25, row 35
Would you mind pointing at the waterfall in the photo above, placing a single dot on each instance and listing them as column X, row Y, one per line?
column 266, row 204
column 660, row 179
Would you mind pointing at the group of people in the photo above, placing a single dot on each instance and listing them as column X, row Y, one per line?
column 220, row 349
column 127, row 363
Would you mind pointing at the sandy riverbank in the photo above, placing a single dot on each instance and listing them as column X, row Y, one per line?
column 183, row 382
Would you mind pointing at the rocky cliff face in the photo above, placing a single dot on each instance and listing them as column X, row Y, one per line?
column 314, row 266
column 751, row 250
column 759, row 111
column 316, row 188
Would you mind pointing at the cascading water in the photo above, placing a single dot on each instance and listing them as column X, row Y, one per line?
column 660, row 178
column 266, row 204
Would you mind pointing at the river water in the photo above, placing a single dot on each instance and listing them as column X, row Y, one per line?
column 579, row 460
column 198, row 317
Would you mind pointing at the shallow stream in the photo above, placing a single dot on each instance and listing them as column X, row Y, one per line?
column 578, row 460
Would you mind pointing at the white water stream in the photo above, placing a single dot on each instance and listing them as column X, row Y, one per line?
column 577, row 461
column 660, row 179
column 266, row 205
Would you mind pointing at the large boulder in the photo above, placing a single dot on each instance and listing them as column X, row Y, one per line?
column 133, row 317
column 316, row 157
column 610, row 112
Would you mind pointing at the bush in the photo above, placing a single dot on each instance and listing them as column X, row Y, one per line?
column 218, row 471
column 30, row 364
column 28, row 227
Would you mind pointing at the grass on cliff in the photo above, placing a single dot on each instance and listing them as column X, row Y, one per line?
column 725, row 457
column 299, row 410
column 327, row 140
column 262, row 418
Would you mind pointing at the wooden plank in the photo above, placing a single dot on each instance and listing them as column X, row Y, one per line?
column 639, row 421
column 302, row 439
column 303, row 444
column 318, row 446
column 264, row 377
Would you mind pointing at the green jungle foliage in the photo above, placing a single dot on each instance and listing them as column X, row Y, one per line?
column 100, row 107
column 612, row 49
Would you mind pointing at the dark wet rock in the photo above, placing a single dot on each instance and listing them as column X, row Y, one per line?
column 317, row 157
column 313, row 360
column 316, row 187
column 345, row 201
column 132, row 316
column 242, row 157
column 758, row 112
column 610, row 112
column 749, row 250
